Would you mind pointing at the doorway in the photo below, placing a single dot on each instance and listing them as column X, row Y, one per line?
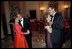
column 32, row 14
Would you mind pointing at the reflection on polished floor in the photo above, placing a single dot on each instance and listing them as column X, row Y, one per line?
column 38, row 41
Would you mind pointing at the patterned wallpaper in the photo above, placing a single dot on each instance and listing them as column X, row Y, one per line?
column 14, row 8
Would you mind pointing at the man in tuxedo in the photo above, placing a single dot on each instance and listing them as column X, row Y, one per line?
column 25, row 24
column 57, row 27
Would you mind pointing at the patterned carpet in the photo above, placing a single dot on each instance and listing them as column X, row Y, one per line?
column 38, row 41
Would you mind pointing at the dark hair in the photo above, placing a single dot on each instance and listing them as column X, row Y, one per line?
column 53, row 7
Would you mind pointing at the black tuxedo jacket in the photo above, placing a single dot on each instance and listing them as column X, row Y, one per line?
column 58, row 27
column 26, row 25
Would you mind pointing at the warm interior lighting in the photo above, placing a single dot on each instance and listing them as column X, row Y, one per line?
column 66, row 6
column 42, row 8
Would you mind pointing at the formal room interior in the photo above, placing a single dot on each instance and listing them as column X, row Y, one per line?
column 36, row 11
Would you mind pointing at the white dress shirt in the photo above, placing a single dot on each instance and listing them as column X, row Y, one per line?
column 22, row 22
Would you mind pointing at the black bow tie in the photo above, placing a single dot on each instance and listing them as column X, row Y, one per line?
column 51, row 17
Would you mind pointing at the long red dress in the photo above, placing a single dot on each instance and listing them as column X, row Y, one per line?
column 19, row 38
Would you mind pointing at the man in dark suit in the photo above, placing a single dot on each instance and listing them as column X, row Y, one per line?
column 25, row 24
column 57, row 27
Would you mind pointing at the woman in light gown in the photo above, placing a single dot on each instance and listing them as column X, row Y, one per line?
column 48, row 31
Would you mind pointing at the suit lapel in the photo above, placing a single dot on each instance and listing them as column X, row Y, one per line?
column 55, row 17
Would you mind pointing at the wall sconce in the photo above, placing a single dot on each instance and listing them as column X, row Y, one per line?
column 66, row 6
column 42, row 9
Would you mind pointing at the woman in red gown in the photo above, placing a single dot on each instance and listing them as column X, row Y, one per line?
column 19, row 38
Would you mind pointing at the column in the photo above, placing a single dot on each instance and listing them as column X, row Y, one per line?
column 7, row 14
